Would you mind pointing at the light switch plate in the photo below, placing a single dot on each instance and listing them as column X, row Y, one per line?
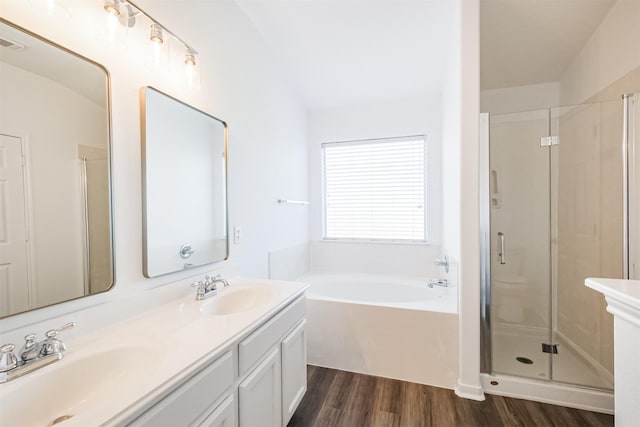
column 237, row 234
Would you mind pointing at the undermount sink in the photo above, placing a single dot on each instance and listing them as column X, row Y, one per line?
column 237, row 300
column 71, row 389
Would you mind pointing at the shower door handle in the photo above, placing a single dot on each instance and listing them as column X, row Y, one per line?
column 501, row 248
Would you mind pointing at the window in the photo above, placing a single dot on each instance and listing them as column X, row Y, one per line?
column 375, row 189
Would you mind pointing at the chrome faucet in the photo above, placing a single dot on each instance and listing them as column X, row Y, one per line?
column 33, row 355
column 209, row 286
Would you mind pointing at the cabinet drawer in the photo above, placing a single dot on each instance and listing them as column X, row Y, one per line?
column 187, row 403
column 223, row 416
column 251, row 349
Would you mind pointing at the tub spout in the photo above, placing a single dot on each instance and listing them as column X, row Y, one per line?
column 440, row 282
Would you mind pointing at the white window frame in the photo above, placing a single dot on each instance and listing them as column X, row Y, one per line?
column 424, row 241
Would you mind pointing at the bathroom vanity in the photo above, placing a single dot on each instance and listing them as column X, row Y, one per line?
column 264, row 372
column 236, row 359
column 623, row 301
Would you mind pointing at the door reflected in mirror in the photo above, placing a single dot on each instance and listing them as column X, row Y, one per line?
column 184, row 185
column 55, row 200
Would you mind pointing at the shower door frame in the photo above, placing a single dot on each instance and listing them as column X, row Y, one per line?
column 486, row 341
column 485, row 246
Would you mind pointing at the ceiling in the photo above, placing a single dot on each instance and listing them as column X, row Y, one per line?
column 533, row 41
column 339, row 53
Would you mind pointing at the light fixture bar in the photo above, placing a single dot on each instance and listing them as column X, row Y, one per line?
column 164, row 29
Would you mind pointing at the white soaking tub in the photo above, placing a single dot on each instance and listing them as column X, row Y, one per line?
column 394, row 327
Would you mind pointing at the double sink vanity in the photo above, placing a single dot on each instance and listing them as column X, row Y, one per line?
column 235, row 359
column 169, row 355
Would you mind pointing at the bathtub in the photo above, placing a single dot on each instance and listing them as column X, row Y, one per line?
column 388, row 326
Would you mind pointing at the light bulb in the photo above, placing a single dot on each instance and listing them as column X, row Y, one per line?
column 111, row 7
column 190, row 59
column 156, row 34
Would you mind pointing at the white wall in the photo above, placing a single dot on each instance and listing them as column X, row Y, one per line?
column 610, row 53
column 451, row 144
column 378, row 120
column 29, row 106
column 520, row 98
column 238, row 83
column 469, row 281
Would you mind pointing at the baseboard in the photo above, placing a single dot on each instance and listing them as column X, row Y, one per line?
column 546, row 392
column 467, row 391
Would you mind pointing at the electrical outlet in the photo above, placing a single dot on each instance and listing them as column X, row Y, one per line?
column 237, row 234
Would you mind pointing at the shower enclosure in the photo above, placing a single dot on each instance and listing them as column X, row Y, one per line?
column 554, row 212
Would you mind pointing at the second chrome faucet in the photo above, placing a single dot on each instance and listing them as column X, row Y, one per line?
column 209, row 286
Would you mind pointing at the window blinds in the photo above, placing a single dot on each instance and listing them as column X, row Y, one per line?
column 375, row 189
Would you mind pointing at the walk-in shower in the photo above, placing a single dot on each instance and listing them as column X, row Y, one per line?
column 554, row 196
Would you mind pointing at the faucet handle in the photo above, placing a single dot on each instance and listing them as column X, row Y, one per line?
column 8, row 360
column 444, row 262
column 200, row 291
column 52, row 344
column 30, row 350
column 52, row 333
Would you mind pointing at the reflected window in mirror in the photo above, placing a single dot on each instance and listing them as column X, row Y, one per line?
column 55, row 193
column 184, row 185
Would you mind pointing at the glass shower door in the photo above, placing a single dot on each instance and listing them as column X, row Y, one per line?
column 587, row 234
column 520, row 242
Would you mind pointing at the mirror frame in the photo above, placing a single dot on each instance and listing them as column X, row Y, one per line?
column 143, row 158
column 109, row 141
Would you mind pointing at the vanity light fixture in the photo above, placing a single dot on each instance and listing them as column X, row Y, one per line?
column 157, row 31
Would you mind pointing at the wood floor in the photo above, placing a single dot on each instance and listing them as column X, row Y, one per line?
column 339, row 398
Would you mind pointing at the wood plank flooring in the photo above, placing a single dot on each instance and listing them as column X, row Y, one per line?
column 338, row 398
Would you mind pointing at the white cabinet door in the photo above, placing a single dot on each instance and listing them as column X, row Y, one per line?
column 294, row 370
column 223, row 416
column 260, row 401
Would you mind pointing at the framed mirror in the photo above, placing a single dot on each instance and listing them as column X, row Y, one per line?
column 55, row 191
column 184, row 168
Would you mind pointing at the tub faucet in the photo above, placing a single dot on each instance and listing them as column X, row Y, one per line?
column 439, row 282
column 33, row 355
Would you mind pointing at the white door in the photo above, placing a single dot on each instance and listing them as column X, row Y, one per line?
column 14, row 285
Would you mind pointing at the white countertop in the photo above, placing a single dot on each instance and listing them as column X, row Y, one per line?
column 623, row 291
column 140, row 358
